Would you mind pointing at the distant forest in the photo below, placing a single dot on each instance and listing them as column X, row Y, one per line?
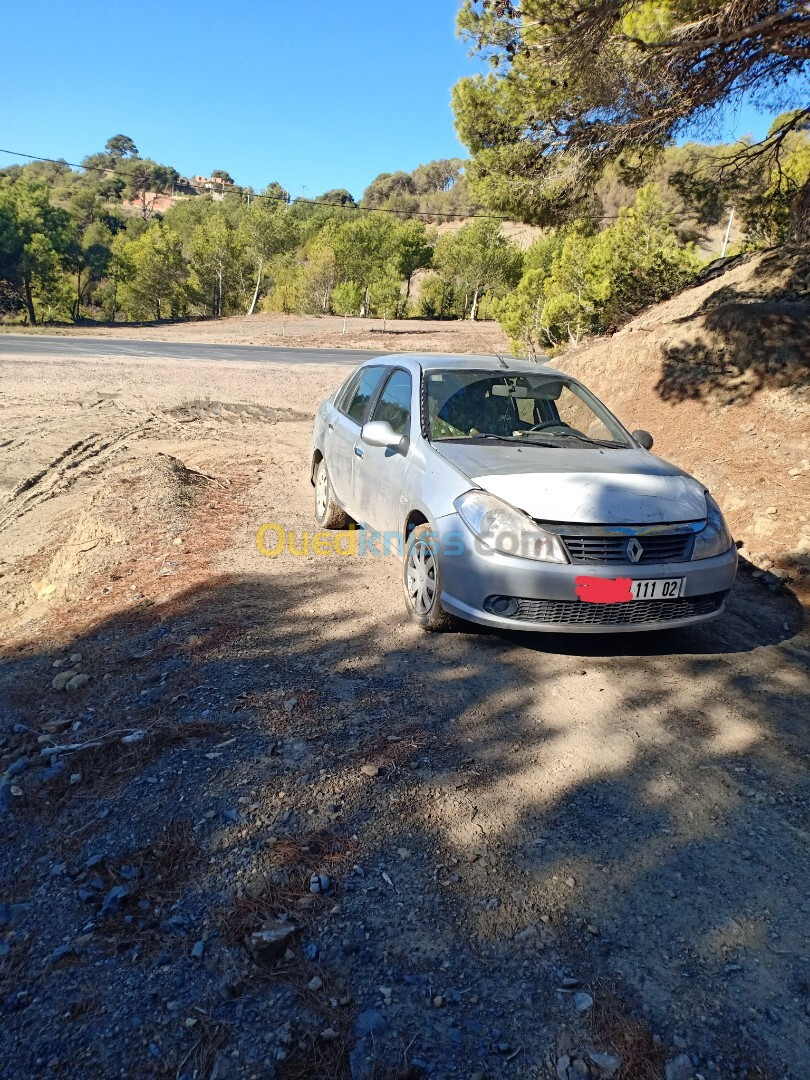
column 125, row 238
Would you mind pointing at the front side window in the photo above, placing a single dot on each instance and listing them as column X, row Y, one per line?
column 366, row 386
column 344, row 392
column 395, row 402
column 548, row 409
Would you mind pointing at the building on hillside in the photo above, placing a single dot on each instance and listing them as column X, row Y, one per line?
column 207, row 183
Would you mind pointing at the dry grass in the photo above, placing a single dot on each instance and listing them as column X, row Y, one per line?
column 106, row 763
column 311, row 1054
column 247, row 913
column 392, row 754
column 165, row 867
column 14, row 968
column 314, row 1055
column 322, row 852
column 631, row 1039
column 316, row 1058
column 211, row 1036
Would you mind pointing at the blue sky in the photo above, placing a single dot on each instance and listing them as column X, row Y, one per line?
column 318, row 95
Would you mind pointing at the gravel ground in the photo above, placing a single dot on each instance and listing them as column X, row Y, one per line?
column 279, row 832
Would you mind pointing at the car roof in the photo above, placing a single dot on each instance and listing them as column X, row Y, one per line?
column 460, row 361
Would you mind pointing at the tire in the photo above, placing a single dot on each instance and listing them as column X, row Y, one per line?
column 422, row 583
column 328, row 513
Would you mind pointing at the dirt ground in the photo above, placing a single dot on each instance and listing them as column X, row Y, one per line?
column 533, row 856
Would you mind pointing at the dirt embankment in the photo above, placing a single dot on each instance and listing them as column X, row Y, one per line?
column 720, row 375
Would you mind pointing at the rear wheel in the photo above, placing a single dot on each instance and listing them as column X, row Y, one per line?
column 422, row 581
column 328, row 513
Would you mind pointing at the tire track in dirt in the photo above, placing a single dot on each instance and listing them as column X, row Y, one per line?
column 74, row 463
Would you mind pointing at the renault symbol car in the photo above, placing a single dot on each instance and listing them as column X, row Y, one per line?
column 516, row 499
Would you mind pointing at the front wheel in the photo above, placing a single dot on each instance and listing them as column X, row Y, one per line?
column 328, row 513
column 422, row 581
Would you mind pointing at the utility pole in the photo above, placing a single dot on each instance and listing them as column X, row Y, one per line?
column 728, row 233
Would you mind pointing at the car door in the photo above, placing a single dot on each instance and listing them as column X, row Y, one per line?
column 343, row 433
column 379, row 473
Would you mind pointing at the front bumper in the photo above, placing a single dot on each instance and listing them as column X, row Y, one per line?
column 472, row 575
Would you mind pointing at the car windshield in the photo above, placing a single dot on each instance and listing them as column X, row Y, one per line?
column 546, row 409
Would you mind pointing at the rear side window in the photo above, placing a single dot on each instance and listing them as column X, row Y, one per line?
column 363, row 392
column 395, row 402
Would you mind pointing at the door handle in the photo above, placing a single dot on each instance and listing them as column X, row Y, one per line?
column 331, row 427
column 358, row 451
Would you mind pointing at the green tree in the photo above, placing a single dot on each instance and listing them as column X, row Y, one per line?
column 521, row 313
column 385, row 296
column 267, row 229
column 412, row 250
column 222, row 175
column 285, row 274
column 363, row 248
column 639, row 261
column 144, row 180
column 119, row 270
column 479, row 259
column 336, row 197
column 570, row 308
column 770, row 200
column 274, row 190
column 347, row 298
column 436, row 297
column 578, row 282
column 387, row 187
column 438, row 175
column 121, row 146
column 318, row 277
column 35, row 238
column 88, row 258
column 215, row 253
column 578, row 83
column 157, row 278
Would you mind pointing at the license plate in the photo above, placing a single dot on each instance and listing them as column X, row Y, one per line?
column 657, row 588
column 596, row 590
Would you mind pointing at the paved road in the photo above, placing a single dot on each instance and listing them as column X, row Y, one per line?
column 67, row 345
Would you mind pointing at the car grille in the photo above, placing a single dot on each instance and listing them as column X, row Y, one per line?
column 662, row 548
column 631, row 613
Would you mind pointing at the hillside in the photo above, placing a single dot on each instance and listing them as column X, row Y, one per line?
column 719, row 374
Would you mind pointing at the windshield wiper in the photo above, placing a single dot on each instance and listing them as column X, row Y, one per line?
column 585, row 439
column 511, row 439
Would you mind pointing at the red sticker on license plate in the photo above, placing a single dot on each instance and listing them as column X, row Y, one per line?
column 596, row 590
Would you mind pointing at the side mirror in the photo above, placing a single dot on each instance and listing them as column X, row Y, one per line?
column 380, row 433
column 643, row 438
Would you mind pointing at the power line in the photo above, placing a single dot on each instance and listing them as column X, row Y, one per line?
column 280, row 198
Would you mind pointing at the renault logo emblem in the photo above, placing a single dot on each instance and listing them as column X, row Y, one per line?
column 634, row 550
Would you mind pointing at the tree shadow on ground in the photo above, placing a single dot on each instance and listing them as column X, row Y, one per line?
column 746, row 337
column 502, row 813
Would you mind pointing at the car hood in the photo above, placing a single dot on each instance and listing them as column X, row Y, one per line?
column 585, row 486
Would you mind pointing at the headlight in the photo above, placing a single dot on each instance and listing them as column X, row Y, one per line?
column 714, row 539
column 503, row 528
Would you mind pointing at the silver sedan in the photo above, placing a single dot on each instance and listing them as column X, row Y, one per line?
column 516, row 499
